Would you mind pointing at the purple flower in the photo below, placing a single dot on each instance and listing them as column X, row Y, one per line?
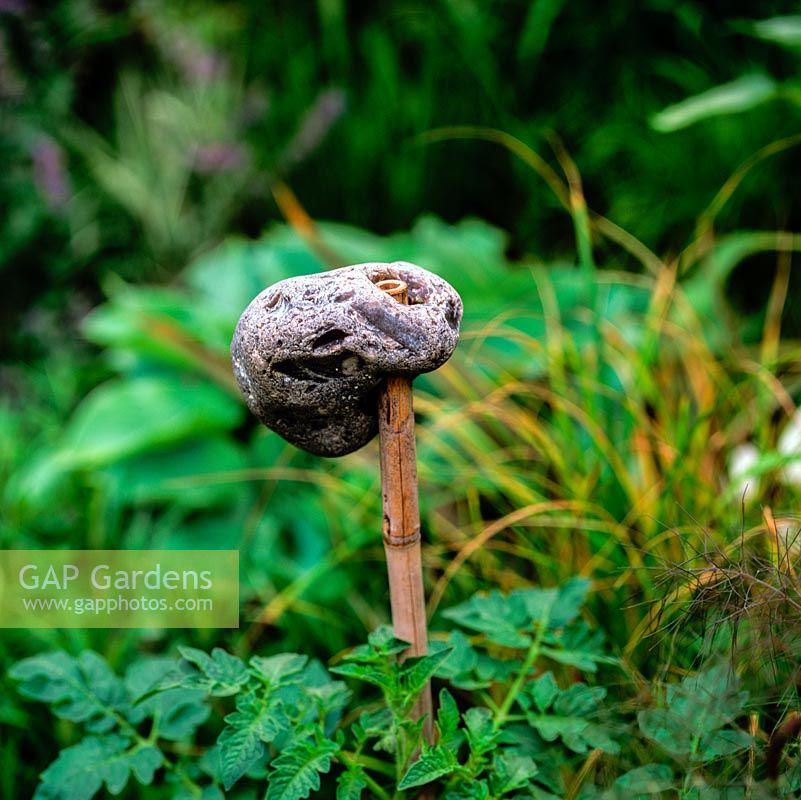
column 315, row 125
column 13, row 6
column 219, row 157
column 50, row 173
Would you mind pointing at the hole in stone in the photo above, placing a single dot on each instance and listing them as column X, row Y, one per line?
column 273, row 301
column 320, row 369
column 290, row 368
column 341, row 298
column 450, row 314
column 332, row 337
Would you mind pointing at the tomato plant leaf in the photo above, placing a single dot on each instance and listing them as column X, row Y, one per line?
column 295, row 773
column 435, row 762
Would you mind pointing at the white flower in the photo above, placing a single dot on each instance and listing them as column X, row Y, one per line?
column 742, row 460
column 790, row 445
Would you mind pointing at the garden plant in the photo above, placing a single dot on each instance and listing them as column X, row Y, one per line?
column 608, row 463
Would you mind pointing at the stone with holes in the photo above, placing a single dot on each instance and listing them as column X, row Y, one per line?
column 309, row 353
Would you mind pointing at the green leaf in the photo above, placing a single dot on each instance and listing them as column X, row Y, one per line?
column 536, row 28
column 279, row 670
column 220, row 674
column 558, row 606
column 650, row 779
column 255, row 722
column 448, row 721
column 80, row 771
column 783, row 30
column 296, row 771
column 579, row 699
column 481, row 733
column 381, row 646
column 384, row 641
column 82, row 689
column 577, row 646
column 185, row 474
column 157, row 324
column 725, row 742
column 669, row 731
column 511, row 771
column 378, row 725
column 741, row 94
column 416, row 672
column 385, row 680
column 544, row 691
column 568, row 715
column 126, row 417
column 210, row 792
column 499, row 618
column 698, row 711
column 351, row 784
column 178, row 712
column 458, row 667
column 435, row 762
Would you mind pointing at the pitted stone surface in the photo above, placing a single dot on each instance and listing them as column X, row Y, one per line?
column 309, row 353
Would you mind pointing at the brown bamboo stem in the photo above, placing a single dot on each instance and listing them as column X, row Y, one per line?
column 401, row 519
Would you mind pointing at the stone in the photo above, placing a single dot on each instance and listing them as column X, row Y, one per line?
column 309, row 353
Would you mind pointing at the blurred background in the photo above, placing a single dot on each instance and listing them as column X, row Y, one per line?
column 613, row 191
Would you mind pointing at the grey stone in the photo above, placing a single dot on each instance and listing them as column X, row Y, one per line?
column 309, row 353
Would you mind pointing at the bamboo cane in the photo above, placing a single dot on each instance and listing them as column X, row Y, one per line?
column 401, row 517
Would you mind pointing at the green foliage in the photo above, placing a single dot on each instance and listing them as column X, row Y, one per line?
column 591, row 422
column 283, row 723
column 562, row 438
column 567, row 715
column 80, row 771
column 695, row 723
column 296, row 772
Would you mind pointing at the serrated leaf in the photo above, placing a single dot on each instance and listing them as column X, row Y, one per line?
column 255, row 722
column 511, row 771
column 667, row 730
column 219, row 674
column 577, row 646
column 379, row 725
column 381, row 646
column 331, row 697
column 544, row 691
column 368, row 673
column 477, row 789
column 179, row 712
column 81, row 771
column 458, row 667
column 481, row 733
column 82, row 689
column 501, row 619
column 447, row 720
column 567, row 715
column 417, row 672
column 435, row 762
column 579, row 700
column 351, row 784
column 725, row 742
column 697, row 711
column 295, row 773
column 383, row 640
column 211, row 792
column 279, row 670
